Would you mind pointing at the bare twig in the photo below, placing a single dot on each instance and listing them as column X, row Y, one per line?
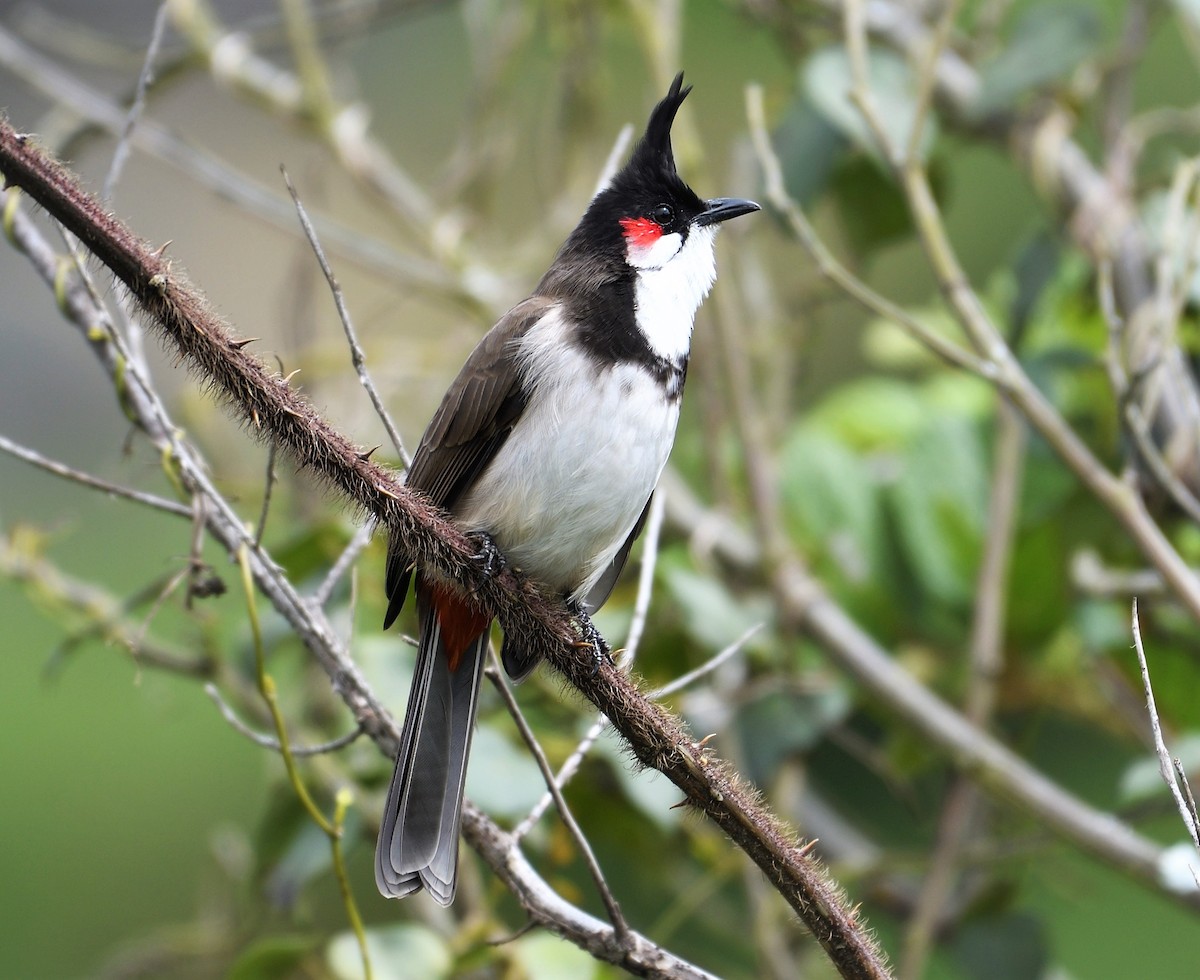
column 268, row 487
column 96, row 483
column 1187, row 813
column 357, row 358
column 145, row 78
column 546, row 628
column 805, row 605
column 355, row 547
column 271, row 742
column 620, row 926
column 827, row 265
column 637, row 954
column 572, row 763
column 985, row 653
column 645, row 589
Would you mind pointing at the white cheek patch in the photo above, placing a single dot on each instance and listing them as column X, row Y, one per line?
column 655, row 254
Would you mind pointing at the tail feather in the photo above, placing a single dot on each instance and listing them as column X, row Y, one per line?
column 418, row 838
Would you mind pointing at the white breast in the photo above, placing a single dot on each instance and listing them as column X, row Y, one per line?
column 567, row 487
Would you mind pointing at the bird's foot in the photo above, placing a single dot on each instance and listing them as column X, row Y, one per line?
column 590, row 637
column 489, row 555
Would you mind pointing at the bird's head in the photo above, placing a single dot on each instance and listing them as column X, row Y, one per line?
column 655, row 210
column 646, row 218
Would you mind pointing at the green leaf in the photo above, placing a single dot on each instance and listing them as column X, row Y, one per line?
column 774, row 726
column 650, row 791
column 809, row 147
column 307, row 855
column 828, row 81
column 830, row 500
column 1142, row 780
column 713, row 617
column 872, row 209
column 547, row 957
column 1047, row 44
column 272, row 958
column 886, row 345
column 871, row 413
column 509, row 783
column 939, row 503
column 1008, row 947
column 402, row 950
column 1189, row 10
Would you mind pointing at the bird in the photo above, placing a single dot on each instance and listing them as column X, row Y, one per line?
column 546, row 449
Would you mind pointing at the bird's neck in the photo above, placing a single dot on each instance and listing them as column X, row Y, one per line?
column 666, row 298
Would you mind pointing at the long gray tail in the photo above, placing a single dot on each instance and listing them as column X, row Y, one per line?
column 418, row 839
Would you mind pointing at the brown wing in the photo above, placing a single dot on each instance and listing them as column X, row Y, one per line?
column 469, row 427
column 608, row 581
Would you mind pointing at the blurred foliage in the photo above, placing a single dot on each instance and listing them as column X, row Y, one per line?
column 186, row 852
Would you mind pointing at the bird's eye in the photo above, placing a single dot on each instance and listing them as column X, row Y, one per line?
column 663, row 215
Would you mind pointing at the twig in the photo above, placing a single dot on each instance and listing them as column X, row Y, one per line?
column 357, row 358
column 269, row 485
column 927, row 77
column 572, row 763
column 613, row 161
column 625, row 661
column 654, row 736
column 620, row 926
column 985, row 653
column 332, row 828
column 1186, row 813
column 145, row 78
column 706, row 668
column 355, row 547
column 209, row 171
column 86, row 479
column 805, row 605
column 645, row 588
column 104, row 613
column 270, row 742
column 637, row 954
column 827, row 265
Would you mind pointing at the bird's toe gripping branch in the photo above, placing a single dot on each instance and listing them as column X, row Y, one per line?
column 488, row 555
column 590, row 637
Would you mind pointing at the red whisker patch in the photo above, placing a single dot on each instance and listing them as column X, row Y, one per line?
column 641, row 232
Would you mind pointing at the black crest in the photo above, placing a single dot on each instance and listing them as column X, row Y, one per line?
column 653, row 152
column 594, row 254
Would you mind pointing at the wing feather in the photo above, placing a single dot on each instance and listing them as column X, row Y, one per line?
column 475, row 418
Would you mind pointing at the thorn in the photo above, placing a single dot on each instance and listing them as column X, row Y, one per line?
column 239, row 344
column 368, row 454
column 806, row 849
column 704, row 741
column 158, row 252
column 386, row 492
column 254, row 417
column 682, row 803
column 289, row 377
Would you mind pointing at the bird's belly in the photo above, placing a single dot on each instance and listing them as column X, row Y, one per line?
column 568, row 485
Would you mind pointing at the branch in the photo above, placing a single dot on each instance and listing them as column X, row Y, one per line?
column 306, row 618
column 274, row 411
column 805, row 605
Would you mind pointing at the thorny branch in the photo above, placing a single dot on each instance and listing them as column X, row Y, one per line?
column 273, row 410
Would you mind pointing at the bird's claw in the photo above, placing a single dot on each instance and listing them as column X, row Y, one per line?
column 489, row 554
column 590, row 637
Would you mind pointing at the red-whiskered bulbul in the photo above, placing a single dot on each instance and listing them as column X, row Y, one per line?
column 548, row 446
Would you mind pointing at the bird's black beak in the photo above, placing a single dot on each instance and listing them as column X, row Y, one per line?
column 723, row 208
